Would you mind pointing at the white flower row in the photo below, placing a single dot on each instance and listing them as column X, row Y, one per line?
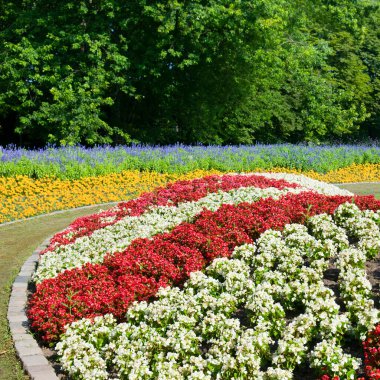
column 224, row 322
column 299, row 179
column 318, row 186
column 117, row 237
column 329, row 354
column 362, row 227
column 354, row 286
column 306, row 182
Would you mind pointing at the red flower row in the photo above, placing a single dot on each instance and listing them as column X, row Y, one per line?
column 172, row 195
column 371, row 348
column 167, row 259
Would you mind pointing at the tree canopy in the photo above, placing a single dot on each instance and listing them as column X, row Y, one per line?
column 199, row 71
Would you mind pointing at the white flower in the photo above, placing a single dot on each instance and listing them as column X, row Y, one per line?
column 224, row 321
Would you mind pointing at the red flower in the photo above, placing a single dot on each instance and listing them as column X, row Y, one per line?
column 168, row 259
column 172, row 195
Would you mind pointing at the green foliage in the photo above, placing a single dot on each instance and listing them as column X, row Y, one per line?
column 314, row 86
column 62, row 62
column 107, row 71
column 370, row 55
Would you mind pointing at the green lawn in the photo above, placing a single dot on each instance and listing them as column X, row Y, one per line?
column 363, row 188
column 18, row 241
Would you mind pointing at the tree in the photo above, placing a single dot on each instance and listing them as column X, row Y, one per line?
column 370, row 56
column 107, row 71
column 318, row 87
column 62, row 64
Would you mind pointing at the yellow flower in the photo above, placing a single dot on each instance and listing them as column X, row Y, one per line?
column 22, row 197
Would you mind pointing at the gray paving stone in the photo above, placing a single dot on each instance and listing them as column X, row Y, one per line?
column 17, row 318
column 18, row 328
column 34, row 360
column 17, row 324
column 16, row 309
column 20, row 285
column 29, row 267
column 32, row 260
column 23, row 337
column 21, row 279
column 27, row 343
column 42, row 373
column 27, row 348
column 18, row 289
column 16, row 302
column 25, row 273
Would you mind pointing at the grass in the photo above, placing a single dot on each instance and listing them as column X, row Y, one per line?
column 19, row 240
column 363, row 188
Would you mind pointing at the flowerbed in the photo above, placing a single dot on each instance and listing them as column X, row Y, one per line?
column 78, row 162
column 22, row 197
column 34, row 182
column 215, row 278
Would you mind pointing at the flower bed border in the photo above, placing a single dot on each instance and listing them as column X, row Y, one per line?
column 33, row 360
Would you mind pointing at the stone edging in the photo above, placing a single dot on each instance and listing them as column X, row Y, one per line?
column 31, row 355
